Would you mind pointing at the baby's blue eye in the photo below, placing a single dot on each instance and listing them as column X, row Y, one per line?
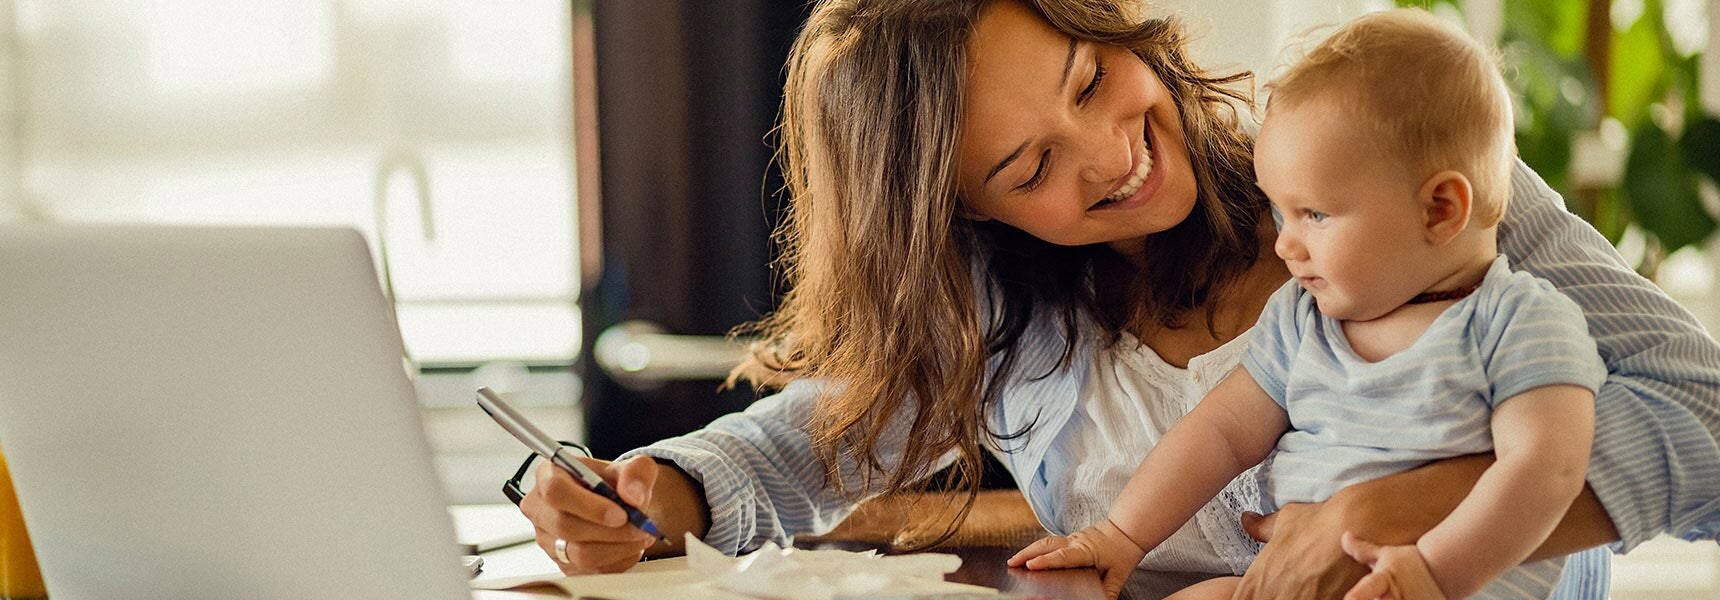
column 1316, row 216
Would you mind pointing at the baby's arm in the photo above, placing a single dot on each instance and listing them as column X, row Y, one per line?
column 1541, row 438
column 1232, row 429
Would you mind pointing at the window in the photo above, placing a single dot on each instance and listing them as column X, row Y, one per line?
column 322, row 113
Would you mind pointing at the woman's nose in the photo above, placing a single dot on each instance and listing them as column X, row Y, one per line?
column 1109, row 158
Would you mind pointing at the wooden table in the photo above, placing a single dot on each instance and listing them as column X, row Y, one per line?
column 988, row 566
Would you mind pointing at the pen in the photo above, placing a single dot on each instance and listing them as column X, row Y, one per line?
column 547, row 447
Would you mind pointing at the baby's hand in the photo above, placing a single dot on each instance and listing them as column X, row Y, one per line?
column 1399, row 572
column 1101, row 546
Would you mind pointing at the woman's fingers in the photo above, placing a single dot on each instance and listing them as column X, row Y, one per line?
column 1302, row 560
column 1037, row 549
column 624, row 563
column 592, row 557
column 1373, row 586
column 559, row 490
column 1258, row 526
column 593, row 530
column 1113, row 582
column 1363, row 551
column 605, row 557
column 635, row 478
column 574, row 529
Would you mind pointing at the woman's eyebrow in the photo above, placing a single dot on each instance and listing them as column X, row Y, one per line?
column 1068, row 64
column 1062, row 82
column 1005, row 162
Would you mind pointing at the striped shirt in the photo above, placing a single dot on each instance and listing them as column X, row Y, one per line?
column 1353, row 420
column 1655, row 466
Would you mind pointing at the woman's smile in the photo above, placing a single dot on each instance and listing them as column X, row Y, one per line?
column 1142, row 182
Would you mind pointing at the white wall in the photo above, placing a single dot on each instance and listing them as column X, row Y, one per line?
column 1255, row 34
column 1250, row 34
column 9, row 180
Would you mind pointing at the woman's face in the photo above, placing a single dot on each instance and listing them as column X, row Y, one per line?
column 1072, row 142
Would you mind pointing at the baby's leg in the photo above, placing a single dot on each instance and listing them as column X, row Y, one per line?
column 1221, row 588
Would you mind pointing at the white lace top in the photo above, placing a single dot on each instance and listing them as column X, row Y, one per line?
column 1133, row 399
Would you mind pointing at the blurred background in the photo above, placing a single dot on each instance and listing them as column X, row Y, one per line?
column 571, row 200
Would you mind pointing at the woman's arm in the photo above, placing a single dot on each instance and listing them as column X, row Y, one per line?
column 758, row 474
column 1399, row 508
column 1304, row 559
column 1656, row 462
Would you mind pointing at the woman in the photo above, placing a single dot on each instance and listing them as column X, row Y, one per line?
column 1031, row 229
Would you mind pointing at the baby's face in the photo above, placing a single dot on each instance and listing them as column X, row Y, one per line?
column 1352, row 232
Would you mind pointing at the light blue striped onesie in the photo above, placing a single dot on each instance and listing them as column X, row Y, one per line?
column 1353, row 420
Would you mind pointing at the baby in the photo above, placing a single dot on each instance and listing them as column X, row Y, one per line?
column 1404, row 338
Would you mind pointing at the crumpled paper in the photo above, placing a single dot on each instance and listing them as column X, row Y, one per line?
column 794, row 574
column 770, row 572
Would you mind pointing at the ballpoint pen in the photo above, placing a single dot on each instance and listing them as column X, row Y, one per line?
column 547, row 447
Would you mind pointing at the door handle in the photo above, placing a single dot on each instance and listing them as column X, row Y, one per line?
column 641, row 355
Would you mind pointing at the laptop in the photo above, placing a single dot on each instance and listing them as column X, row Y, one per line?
column 211, row 412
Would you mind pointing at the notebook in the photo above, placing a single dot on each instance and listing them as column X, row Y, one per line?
column 194, row 412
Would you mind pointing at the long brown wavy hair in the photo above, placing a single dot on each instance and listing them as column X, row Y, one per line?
column 880, row 268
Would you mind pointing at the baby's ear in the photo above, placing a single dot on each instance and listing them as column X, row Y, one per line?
column 1446, row 202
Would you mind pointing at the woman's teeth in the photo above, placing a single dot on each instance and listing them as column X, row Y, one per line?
column 1134, row 184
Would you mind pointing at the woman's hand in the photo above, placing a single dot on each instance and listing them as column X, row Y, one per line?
column 1303, row 557
column 594, row 530
column 1102, row 546
column 1399, row 572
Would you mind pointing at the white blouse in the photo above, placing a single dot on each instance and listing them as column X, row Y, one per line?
column 1133, row 398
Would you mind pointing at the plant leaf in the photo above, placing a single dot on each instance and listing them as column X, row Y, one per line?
column 1558, row 24
column 1638, row 75
column 1662, row 192
column 1701, row 146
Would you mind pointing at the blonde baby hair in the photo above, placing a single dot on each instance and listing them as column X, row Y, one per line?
column 1426, row 91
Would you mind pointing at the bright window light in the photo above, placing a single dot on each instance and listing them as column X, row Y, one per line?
column 232, row 45
column 507, row 41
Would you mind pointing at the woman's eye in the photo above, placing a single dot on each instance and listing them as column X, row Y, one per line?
column 1093, row 86
column 1317, row 216
column 1038, row 174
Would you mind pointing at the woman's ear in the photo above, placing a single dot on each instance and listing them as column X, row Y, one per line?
column 1446, row 202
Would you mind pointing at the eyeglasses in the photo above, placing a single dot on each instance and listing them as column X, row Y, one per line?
column 517, row 487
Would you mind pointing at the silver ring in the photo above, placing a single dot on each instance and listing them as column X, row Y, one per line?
column 561, row 551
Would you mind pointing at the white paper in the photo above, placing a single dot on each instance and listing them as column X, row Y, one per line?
column 770, row 572
column 481, row 528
